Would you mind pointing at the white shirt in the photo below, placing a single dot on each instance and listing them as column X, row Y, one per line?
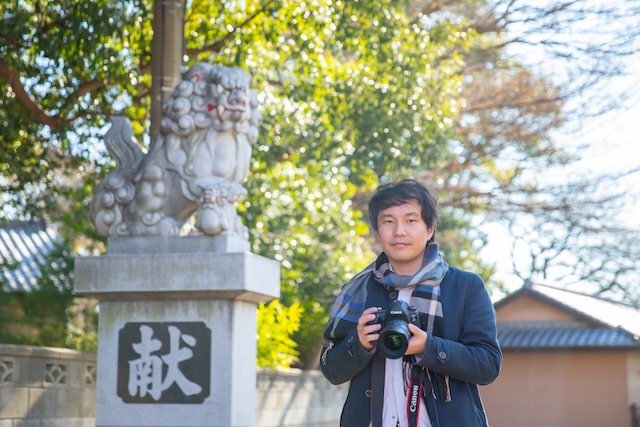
column 394, row 412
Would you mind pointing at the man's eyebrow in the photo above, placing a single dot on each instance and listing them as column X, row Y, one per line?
column 412, row 213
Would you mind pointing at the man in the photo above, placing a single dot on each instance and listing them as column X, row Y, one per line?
column 454, row 349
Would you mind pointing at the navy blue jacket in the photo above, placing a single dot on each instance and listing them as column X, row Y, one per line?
column 463, row 346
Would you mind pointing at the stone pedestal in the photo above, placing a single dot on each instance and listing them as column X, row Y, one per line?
column 177, row 329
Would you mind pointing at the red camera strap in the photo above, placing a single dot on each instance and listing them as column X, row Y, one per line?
column 377, row 392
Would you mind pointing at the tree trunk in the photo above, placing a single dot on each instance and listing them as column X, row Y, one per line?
column 167, row 50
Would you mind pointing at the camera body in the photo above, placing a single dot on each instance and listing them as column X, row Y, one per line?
column 394, row 334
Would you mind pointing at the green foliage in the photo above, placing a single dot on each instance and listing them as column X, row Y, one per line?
column 276, row 324
column 318, row 239
column 12, row 329
column 39, row 317
column 82, row 325
column 50, row 315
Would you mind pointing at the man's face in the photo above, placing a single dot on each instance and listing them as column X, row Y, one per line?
column 403, row 236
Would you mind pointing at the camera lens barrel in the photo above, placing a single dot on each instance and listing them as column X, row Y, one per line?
column 394, row 338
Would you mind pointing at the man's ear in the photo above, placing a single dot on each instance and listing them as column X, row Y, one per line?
column 431, row 232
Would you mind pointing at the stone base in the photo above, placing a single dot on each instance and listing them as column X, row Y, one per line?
column 177, row 331
column 152, row 268
column 231, row 370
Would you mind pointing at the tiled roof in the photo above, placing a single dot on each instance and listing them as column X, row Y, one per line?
column 607, row 312
column 23, row 245
column 555, row 336
column 599, row 323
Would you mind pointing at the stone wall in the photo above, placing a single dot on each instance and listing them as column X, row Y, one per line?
column 46, row 387
column 54, row 387
column 292, row 397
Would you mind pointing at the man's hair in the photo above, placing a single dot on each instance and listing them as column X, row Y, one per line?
column 401, row 192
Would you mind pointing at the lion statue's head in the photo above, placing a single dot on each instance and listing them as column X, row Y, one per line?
column 212, row 96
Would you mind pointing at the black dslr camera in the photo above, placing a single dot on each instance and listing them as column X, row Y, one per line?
column 394, row 334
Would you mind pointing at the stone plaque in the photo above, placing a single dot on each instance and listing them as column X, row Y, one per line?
column 164, row 362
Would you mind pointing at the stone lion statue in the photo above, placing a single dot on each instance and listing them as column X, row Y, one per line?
column 196, row 165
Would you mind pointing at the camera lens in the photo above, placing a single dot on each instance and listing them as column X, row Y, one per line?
column 394, row 339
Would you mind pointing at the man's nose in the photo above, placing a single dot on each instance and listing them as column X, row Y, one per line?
column 399, row 229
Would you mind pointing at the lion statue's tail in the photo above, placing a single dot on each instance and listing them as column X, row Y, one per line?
column 118, row 189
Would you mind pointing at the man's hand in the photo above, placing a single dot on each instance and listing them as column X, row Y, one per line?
column 368, row 334
column 417, row 342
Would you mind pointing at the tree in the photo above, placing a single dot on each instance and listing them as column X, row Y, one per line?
column 59, row 62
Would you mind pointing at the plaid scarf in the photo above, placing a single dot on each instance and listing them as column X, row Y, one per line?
column 351, row 302
column 352, row 299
